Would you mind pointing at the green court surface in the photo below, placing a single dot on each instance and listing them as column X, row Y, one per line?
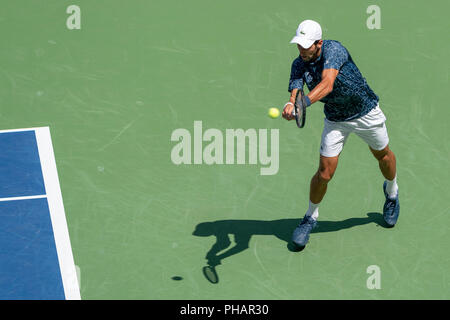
column 114, row 91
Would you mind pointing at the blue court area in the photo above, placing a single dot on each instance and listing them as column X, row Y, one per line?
column 20, row 168
column 29, row 267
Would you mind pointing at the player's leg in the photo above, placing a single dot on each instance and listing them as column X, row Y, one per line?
column 334, row 136
column 318, row 188
column 319, row 182
column 387, row 162
column 388, row 166
column 372, row 129
column 333, row 140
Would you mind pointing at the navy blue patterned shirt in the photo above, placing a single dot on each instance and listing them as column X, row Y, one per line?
column 351, row 97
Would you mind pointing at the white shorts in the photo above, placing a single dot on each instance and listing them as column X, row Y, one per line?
column 371, row 128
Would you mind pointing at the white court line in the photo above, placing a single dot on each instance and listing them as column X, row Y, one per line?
column 18, row 130
column 24, row 198
column 57, row 214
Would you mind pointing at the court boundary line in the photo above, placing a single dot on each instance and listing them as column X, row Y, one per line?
column 57, row 213
column 21, row 130
column 40, row 196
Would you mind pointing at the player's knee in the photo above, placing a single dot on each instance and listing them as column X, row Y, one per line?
column 384, row 158
column 382, row 155
column 325, row 175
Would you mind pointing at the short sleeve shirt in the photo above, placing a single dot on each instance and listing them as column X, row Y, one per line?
column 351, row 96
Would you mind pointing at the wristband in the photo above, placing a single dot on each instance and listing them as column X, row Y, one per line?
column 288, row 103
column 308, row 101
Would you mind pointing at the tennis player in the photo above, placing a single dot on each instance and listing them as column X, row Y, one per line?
column 332, row 77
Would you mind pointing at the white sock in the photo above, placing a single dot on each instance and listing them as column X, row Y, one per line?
column 392, row 187
column 313, row 210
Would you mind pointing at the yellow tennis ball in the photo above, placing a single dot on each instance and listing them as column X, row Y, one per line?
column 274, row 113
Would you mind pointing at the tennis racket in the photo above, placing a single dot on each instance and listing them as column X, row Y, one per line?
column 299, row 111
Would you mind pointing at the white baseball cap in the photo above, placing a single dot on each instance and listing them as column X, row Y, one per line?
column 308, row 31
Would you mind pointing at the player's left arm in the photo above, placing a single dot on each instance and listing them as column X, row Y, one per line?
column 325, row 86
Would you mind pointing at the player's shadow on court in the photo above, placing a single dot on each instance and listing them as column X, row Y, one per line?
column 243, row 230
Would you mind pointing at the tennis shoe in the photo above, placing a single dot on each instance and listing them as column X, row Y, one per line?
column 391, row 208
column 300, row 236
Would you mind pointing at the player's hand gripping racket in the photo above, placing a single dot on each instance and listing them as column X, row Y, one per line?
column 299, row 111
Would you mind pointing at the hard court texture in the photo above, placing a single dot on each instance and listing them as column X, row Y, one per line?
column 140, row 226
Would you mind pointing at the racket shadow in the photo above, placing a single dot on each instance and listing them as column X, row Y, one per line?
column 243, row 230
